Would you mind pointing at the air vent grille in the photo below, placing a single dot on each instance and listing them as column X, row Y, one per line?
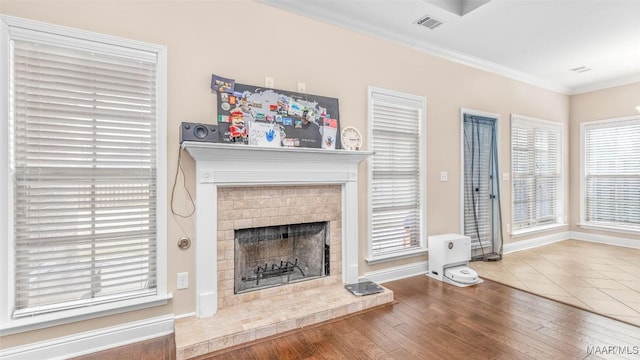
column 429, row 22
column 581, row 69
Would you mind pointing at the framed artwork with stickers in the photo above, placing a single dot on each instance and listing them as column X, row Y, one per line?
column 273, row 118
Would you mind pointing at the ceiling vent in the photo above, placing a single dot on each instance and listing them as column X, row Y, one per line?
column 429, row 22
column 581, row 69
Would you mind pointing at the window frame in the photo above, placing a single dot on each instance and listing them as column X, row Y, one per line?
column 560, row 201
column 373, row 258
column 583, row 223
column 10, row 28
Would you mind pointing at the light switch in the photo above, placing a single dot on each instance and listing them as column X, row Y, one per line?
column 268, row 82
column 183, row 280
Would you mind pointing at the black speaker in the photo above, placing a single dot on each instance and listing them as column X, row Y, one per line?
column 199, row 132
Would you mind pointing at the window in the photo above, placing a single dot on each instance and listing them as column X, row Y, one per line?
column 611, row 174
column 85, row 135
column 536, row 160
column 397, row 182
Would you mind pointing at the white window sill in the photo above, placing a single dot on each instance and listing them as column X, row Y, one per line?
column 611, row 228
column 395, row 256
column 15, row 326
column 536, row 229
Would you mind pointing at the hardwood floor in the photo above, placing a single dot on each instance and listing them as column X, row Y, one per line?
column 433, row 320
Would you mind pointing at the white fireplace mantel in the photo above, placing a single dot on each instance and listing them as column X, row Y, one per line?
column 238, row 165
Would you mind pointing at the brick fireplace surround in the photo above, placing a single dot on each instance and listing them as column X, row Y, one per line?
column 243, row 187
column 249, row 207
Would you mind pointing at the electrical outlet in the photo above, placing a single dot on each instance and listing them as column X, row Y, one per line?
column 268, row 82
column 444, row 176
column 505, row 176
column 302, row 87
column 183, row 280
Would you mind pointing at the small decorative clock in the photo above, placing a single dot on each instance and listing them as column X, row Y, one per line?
column 351, row 138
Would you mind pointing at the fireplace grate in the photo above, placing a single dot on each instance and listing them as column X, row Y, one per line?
column 285, row 268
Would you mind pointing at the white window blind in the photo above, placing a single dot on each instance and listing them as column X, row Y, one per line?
column 536, row 160
column 612, row 173
column 83, row 162
column 396, row 173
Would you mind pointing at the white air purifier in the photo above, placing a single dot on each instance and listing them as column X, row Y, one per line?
column 449, row 256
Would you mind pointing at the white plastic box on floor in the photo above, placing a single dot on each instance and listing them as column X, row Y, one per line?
column 449, row 255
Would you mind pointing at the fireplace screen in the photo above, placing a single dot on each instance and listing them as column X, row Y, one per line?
column 276, row 255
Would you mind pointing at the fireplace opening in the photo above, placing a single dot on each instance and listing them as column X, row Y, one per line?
column 276, row 255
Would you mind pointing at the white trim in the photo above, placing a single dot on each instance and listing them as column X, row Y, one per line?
column 612, row 122
column 14, row 27
column 610, row 228
column 6, row 191
column 398, row 256
column 402, row 98
column 537, row 229
column 236, row 165
column 581, row 178
column 542, row 122
column 185, row 315
column 604, row 85
column 161, row 169
column 606, row 239
column 397, row 272
column 373, row 30
column 536, row 242
column 80, row 314
column 570, row 235
column 92, row 341
column 19, row 25
column 562, row 182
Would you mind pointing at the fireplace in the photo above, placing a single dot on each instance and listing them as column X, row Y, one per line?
column 277, row 223
column 242, row 169
column 275, row 189
column 271, row 256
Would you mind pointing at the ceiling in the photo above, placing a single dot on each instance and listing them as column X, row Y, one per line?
column 536, row 41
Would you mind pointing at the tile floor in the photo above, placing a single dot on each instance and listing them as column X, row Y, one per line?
column 601, row 278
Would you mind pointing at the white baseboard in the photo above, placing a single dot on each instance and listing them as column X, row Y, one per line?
column 605, row 239
column 535, row 242
column 92, row 341
column 185, row 315
column 397, row 272
column 566, row 235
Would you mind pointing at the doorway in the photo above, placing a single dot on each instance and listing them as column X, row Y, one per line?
column 481, row 214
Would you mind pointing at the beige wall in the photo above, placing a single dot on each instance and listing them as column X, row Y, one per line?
column 247, row 40
column 609, row 103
